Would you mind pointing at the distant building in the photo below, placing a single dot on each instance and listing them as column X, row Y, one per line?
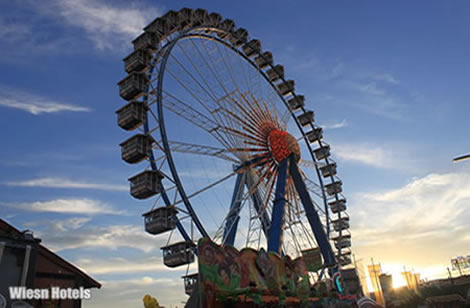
column 25, row 262
column 386, row 283
column 446, row 301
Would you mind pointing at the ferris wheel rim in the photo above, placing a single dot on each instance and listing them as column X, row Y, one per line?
column 168, row 152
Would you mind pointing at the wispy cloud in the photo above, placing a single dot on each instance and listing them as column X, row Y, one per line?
column 386, row 77
column 76, row 25
column 428, row 215
column 34, row 104
column 337, row 125
column 85, row 236
column 67, row 206
column 369, row 88
column 337, row 70
column 107, row 24
column 51, row 182
column 385, row 156
column 119, row 265
column 62, row 225
column 375, row 96
column 307, row 63
column 13, row 31
column 383, row 78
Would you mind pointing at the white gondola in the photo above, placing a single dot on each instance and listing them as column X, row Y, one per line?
column 136, row 61
column 315, row 134
column 146, row 40
column 345, row 260
column 178, row 254
column 345, row 243
column 146, row 184
column 137, row 148
column 134, row 85
column 159, row 27
column 265, row 59
column 227, row 26
column 334, row 188
column 199, row 17
column 322, row 152
column 286, row 87
column 190, row 282
column 214, row 19
column 340, row 224
column 343, row 236
column 132, row 115
column 184, row 18
column 296, row 102
column 306, row 118
column 171, row 18
column 239, row 37
column 275, row 73
column 160, row 220
column 252, row 48
column 338, row 205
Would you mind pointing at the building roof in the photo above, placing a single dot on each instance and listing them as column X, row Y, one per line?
column 446, row 299
column 462, row 280
column 11, row 231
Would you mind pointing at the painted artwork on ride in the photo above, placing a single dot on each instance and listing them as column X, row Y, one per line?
column 312, row 259
column 250, row 276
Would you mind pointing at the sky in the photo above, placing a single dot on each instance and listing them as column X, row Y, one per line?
column 387, row 81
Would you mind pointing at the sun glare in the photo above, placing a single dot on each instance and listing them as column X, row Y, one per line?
column 398, row 280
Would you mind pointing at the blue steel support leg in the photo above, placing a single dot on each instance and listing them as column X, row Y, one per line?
column 312, row 215
column 277, row 217
column 233, row 217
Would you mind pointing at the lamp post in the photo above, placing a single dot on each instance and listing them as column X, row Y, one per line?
column 461, row 158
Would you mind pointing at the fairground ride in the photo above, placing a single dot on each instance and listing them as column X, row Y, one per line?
column 227, row 149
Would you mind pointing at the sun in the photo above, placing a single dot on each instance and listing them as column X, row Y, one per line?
column 398, row 280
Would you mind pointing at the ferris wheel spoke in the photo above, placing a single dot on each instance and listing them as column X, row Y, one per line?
column 295, row 240
column 195, row 117
column 211, row 68
column 160, row 158
column 207, row 89
column 190, row 148
column 210, row 89
column 185, row 85
column 258, row 202
column 248, row 84
column 185, row 111
column 199, row 191
column 228, row 114
column 308, row 163
column 313, row 187
column 232, row 101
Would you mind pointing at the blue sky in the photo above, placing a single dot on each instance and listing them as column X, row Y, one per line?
column 387, row 81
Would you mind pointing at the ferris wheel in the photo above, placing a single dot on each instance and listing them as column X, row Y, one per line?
column 226, row 148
